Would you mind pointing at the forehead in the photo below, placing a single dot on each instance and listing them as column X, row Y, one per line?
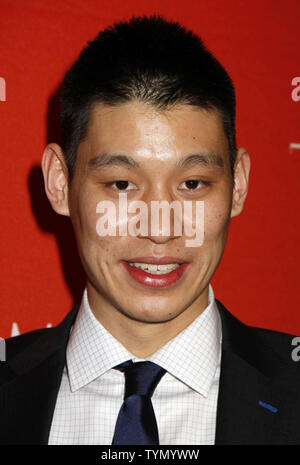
column 138, row 130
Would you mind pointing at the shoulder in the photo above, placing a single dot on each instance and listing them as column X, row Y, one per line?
column 16, row 344
column 264, row 342
column 27, row 350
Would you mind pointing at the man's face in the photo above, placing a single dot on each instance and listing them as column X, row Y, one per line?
column 157, row 142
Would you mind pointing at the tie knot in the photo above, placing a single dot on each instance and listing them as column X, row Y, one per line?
column 141, row 378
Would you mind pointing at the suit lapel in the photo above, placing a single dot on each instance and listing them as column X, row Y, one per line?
column 254, row 405
column 31, row 383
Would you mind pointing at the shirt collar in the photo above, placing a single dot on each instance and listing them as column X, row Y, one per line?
column 199, row 350
column 92, row 350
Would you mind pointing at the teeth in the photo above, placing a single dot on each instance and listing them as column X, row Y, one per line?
column 156, row 269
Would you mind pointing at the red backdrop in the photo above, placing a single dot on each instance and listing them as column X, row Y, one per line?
column 258, row 43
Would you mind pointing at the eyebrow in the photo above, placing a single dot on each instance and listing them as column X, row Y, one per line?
column 207, row 159
column 107, row 159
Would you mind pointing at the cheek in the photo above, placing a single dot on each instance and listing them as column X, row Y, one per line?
column 93, row 245
column 216, row 220
column 86, row 218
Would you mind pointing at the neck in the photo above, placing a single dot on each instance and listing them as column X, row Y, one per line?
column 142, row 338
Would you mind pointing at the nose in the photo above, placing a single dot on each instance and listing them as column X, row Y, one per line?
column 164, row 215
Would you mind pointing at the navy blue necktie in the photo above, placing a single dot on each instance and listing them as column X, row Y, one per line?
column 136, row 423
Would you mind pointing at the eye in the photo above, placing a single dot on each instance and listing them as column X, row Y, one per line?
column 122, row 185
column 192, row 184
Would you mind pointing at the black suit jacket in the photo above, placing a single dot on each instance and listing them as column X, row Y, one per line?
column 256, row 368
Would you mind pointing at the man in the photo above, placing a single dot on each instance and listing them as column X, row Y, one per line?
column 147, row 111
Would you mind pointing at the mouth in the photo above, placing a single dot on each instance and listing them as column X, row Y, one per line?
column 154, row 272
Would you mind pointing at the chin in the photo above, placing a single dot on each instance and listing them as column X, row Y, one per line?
column 152, row 316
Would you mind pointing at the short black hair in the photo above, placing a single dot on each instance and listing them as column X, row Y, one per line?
column 150, row 59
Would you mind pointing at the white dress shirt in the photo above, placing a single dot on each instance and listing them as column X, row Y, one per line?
column 185, row 400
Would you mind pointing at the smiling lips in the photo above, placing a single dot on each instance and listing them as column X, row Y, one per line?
column 155, row 272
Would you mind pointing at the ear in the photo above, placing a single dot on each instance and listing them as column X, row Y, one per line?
column 241, row 180
column 55, row 174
